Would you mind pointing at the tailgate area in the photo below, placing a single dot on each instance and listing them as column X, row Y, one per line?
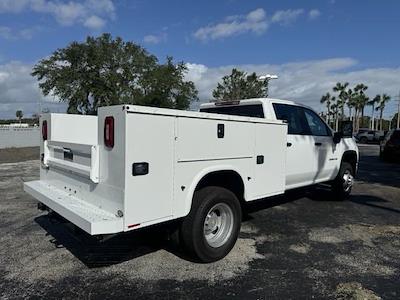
column 88, row 217
column 71, row 182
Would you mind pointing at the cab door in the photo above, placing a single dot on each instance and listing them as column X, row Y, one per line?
column 301, row 151
column 326, row 152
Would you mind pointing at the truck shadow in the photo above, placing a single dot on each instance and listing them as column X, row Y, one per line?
column 127, row 246
column 96, row 253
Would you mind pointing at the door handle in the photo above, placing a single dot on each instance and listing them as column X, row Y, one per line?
column 318, row 144
column 288, row 144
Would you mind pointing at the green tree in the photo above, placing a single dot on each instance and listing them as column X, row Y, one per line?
column 382, row 100
column 335, row 113
column 240, row 85
column 360, row 101
column 327, row 100
column 19, row 114
column 343, row 96
column 372, row 103
column 103, row 71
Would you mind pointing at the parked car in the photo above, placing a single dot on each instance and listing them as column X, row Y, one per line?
column 390, row 146
column 132, row 166
column 370, row 136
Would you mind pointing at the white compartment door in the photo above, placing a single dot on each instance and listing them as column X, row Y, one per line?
column 269, row 161
column 150, row 139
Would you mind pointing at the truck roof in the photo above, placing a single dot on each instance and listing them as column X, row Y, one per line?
column 191, row 114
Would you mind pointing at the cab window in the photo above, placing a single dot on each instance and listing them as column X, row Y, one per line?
column 294, row 116
column 316, row 125
column 251, row 110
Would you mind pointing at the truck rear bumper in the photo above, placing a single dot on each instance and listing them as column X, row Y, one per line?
column 86, row 216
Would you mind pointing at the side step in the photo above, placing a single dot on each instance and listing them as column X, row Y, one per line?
column 86, row 216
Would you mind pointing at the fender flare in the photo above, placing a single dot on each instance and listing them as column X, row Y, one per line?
column 203, row 173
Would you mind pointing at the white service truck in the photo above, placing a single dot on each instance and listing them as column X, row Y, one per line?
column 132, row 166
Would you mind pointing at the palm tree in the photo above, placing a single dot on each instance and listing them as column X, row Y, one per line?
column 350, row 102
column 381, row 106
column 335, row 111
column 372, row 103
column 343, row 95
column 327, row 99
column 361, row 101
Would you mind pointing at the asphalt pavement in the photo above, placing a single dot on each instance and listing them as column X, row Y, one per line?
column 302, row 245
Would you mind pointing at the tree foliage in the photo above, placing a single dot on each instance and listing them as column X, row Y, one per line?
column 103, row 71
column 240, row 85
column 382, row 101
column 356, row 99
column 19, row 114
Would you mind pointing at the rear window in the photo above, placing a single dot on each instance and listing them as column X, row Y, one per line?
column 253, row 110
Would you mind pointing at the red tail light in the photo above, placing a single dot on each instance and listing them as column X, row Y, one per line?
column 109, row 132
column 44, row 130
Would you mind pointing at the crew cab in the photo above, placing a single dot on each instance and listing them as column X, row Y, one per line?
column 132, row 166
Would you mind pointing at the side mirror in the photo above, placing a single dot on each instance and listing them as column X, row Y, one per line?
column 337, row 136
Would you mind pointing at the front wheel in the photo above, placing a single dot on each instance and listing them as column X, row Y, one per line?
column 211, row 229
column 344, row 181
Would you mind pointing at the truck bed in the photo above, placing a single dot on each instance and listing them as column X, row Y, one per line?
column 94, row 185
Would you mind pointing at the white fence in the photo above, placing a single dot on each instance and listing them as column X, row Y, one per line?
column 19, row 137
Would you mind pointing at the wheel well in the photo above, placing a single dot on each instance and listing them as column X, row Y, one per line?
column 228, row 179
column 351, row 158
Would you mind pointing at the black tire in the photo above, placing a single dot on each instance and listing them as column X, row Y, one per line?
column 340, row 190
column 192, row 234
column 364, row 140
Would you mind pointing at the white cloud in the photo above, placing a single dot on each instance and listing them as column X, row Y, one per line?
column 286, row 17
column 304, row 82
column 90, row 13
column 5, row 32
column 12, row 5
column 94, row 23
column 155, row 39
column 19, row 90
column 254, row 22
column 25, row 33
column 314, row 14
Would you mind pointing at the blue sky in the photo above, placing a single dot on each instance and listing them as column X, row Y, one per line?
column 309, row 44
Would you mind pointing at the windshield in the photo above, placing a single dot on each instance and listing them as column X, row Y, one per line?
column 253, row 110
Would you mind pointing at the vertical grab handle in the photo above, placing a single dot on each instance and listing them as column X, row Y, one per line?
column 221, row 131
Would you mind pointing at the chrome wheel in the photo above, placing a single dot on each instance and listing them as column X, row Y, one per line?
column 348, row 180
column 218, row 225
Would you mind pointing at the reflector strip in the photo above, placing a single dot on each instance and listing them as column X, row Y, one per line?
column 133, row 225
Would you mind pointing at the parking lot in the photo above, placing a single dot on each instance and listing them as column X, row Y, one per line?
column 301, row 245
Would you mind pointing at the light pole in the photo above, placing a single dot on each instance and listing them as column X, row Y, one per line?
column 266, row 78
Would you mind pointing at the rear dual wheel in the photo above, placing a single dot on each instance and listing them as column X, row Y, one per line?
column 211, row 229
